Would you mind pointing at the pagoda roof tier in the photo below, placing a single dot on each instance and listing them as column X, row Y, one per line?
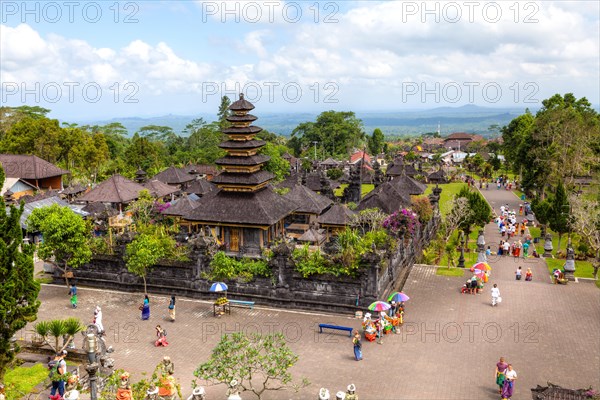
column 247, row 144
column 309, row 202
column 229, row 178
column 241, row 104
column 244, row 130
column 262, row 208
column 242, row 118
column 248, row 160
column 337, row 215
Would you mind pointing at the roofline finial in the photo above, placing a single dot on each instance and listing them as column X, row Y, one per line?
column 241, row 96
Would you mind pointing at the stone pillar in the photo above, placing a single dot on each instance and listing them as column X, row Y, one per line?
column 369, row 284
column 570, row 263
column 548, row 246
column 282, row 266
column 481, row 257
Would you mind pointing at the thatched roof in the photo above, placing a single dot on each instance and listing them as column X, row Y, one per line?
column 174, row 176
column 181, row 206
column 201, row 169
column 308, row 201
column 313, row 181
column 159, row 189
column 263, row 208
column 200, row 187
column 437, row 176
column 100, row 210
column 74, row 189
column 392, row 195
column 398, row 167
column 116, row 189
column 337, row 215
column 29, row 167
column 330, row 162
column 312, row 236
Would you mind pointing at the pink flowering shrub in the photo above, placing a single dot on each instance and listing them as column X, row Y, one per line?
column 401, row 222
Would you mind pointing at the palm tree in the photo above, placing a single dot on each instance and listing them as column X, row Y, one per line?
column 57, row 329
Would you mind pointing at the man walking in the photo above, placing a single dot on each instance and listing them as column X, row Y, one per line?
column 58, row 368
column 495, row 295
column 73, row 294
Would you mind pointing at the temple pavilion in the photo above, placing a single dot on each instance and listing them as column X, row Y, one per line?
column 244, row 214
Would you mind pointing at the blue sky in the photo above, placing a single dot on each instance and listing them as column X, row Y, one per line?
column 153, row 58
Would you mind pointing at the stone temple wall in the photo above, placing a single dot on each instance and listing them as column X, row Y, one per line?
column 380, row 274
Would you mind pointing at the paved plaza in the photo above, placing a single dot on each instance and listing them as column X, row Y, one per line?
column 447, row 348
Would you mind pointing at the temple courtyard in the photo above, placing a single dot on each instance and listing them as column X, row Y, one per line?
column 446, row 349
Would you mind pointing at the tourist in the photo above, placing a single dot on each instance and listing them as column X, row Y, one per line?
column 172, row 308
column 509, row 378
column 161, row 334
column 357, row 346
column 488, row 252
column 523, row 227
column 500, row 247
column 58, row 368
column 506, row 248
column 528, row 275
column 73, row 294
column 98, row 320
column 503, row 230
column 518, row 273
column 146, row 308
column 474, row 284
column 495, row 295
column 500, row 370
column 520, row 209
column 487, row 185
column 526, row 249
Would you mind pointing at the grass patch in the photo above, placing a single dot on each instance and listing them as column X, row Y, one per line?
column 364, row 189
column 450, row 271
column 470, row 256
column 448, row 192
column 583, row 269
column 21, row 380
column 537, row 232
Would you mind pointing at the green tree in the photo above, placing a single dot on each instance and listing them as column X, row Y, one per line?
column 66, row 236
column 147, row 248
column 480, row 214
column 543, row 212
column 586, row 222
column 375, row 142
column 203, row 142
column 559, row 221
column 18, row 288
column 335, row 173
column 276, row 165
column 259, row 363
column 336, row 132
column 38, row 136
column 224, row 112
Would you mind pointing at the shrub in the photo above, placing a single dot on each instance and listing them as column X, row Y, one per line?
column 423, row 208
column 224, row 267
column 401, row 222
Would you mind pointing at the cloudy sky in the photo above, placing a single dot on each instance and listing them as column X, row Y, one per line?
column 149, row 58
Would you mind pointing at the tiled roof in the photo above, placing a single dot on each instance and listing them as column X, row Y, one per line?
column 116, row 189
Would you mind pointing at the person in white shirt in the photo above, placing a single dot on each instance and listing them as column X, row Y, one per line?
column 506, row 248
column 495, row 295
column 98, row 319
column 509, row 377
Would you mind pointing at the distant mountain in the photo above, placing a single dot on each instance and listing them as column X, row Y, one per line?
column 468, row 118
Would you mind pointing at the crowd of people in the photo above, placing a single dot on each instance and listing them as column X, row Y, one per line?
column 510, row 228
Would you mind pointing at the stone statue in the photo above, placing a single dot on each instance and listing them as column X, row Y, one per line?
column 232, row 391
column 548, row 246
column 198, row 394
column 481, row 257
column 124, row 391
column 152, row 393
column 352, row 192
column 569, row 266
column 378, row 178
column 167, row 366
column 351, row 392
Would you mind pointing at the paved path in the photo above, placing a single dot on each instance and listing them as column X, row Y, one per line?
column 447, row 348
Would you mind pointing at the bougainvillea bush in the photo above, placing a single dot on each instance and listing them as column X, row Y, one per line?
column 401, row 223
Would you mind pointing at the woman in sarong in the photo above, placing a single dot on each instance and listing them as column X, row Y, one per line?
column 357, row 346
column 172, row 308
column 500, row 370
column 146, row 308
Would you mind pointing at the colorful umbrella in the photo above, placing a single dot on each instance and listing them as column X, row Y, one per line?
column 398, row 297
column 218, row 287
column 380, row 306
column 478, row 273
column 482, row 266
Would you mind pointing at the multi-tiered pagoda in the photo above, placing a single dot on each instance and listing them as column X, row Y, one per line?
column 244, row 213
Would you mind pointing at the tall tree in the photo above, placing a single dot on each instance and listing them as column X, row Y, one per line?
column 481, row 211
column 66, row 236
column 586, row 222
column 224, row 112
column 375, row 142
column 18, row 288
column 543, row 212
column 559, row 221
column 277, row 165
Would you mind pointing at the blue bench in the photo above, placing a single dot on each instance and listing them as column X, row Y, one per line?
column 339, row 328
column 242, row 303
